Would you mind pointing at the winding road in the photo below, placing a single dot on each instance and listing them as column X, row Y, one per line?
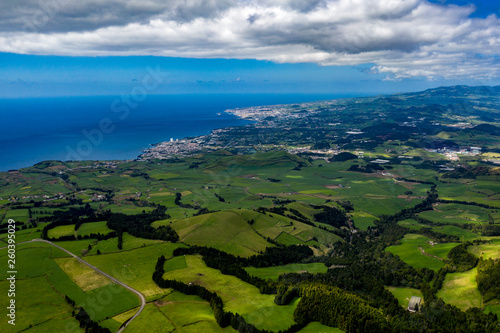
column 141, row 296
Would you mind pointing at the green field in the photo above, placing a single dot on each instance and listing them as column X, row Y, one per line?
column 64, row 230
column 135, row 267
column 85, row 277
column 38, row 303
column 238, row 296
column 410, row 253
column 80, row 247
column 403, row 295
column 24, row 235
column 487, row 251
column 230, row 231
column 174, row 312
column 42, row 284
column 363, row 220
column 85, row 229
column 316, row 327
column 457, row 214
column 460, row 289
column 274, row 272
column 93, row 228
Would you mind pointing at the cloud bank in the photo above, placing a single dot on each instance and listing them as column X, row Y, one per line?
column 401, row 38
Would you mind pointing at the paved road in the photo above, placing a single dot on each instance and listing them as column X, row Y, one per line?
column 141, row 296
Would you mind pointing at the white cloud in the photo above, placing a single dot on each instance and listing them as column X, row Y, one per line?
column 403, row 38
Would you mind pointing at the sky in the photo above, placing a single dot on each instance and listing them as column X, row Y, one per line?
column 345, row 47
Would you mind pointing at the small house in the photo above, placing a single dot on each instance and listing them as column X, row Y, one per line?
column 414, row 304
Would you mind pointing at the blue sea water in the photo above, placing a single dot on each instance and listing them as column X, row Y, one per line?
column 38, row 129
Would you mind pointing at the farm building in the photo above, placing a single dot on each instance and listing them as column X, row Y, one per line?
column 414, row 304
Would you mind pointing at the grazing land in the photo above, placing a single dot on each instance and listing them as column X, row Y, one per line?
column 460, row 289
column 417, row 252
column 403, row 295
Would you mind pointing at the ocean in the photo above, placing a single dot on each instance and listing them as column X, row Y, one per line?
column 109, row 128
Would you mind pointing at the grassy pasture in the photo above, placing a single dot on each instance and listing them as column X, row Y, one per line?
column 106, row 246
column 150, row 320
column 85, row 229
column 63, row 230
column 362, row 220
column 288, row 239
column 93, row 228
column 286, row 230
column 37, row 303
column 495, row 308
column 238, row 296
column 316, row 327
column 18, row 215
column 274, row 272
column 463, row 234
column 85, row 277
column 411, row 224
column 24, row 235
column 460, row 289
column 409, row 251
column 135, row 267
column 37, row 268
column 457, row 213
column 487, row 251
column 175, row 263
column 226, row 231
column 403, row 295
column 176, row 311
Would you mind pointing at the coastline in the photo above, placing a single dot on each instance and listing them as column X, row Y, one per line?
column 30, row 139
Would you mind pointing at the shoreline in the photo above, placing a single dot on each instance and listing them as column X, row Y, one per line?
column 157, row 121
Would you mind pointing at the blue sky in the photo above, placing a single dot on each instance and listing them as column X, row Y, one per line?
column 234, row 46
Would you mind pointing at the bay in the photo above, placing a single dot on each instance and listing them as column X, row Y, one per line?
column 113, row 128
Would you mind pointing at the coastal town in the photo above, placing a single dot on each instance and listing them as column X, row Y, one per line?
column 295, row 128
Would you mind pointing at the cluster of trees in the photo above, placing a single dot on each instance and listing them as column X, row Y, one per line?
column 414, row 181
column 370, row 269
column 468, row 173
column 332, row 216
column 344, row 156
column 87, row 323
column 177, row 201
column 139, row 225
column 203, row 211
column 299, row 216
column 282, row 210
column 285, row 294
column 221, row 199
column 334, row 307
column 491, row 230
column 84, row 319
column 488, row 278
column 97, row 236
column 368, row 168
column 282, row 201
column 461, row 259
column 74, row 215
column 4, row 227
column 346, row 205
column 470, row 203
